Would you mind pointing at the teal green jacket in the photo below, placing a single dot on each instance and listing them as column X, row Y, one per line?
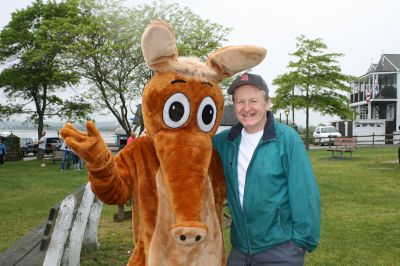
column 281, row 198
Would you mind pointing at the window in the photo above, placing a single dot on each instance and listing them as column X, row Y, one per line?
column 328, row 130
column 363, row 112
column 390, row 111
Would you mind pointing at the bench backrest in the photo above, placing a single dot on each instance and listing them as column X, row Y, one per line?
column 346, row 142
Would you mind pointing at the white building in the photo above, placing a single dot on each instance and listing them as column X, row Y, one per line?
column 376, row 99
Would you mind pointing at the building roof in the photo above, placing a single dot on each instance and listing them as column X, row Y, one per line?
column 371, row 68
column 137, row 119
column 388, row 63
column 229, row 117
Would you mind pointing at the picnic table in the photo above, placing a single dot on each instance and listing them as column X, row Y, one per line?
column 343, row 145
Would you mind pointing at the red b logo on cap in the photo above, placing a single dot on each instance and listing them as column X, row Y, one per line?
column 244, row 77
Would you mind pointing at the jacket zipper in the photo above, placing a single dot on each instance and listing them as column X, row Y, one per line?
column 279, row 215
column 244, row 192
column 234, row 175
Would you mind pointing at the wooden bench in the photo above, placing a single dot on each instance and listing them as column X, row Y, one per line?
column 56, row 155
column 72, row 223
column 343, row 145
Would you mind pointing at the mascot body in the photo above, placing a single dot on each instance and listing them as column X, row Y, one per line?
column 172, row 174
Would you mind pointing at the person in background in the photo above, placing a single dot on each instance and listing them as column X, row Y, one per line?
column 272, row 192
column 66, row 156
column 76, row 161
column 131, row 138
column 3, row 151
column 42, row 148
column 80, row 163
column 144, row 133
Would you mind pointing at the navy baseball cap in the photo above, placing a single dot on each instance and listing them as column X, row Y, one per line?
column 248, row 79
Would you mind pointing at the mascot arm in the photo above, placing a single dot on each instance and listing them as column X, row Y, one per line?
column 216, row 173
column 109, row 177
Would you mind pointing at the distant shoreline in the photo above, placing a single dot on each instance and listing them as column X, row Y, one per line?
column 108, row 136
column 55, row 126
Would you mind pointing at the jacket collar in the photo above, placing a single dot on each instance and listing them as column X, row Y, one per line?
column 269, row 129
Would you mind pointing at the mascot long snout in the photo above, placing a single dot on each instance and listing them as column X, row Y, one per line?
column 184, row 164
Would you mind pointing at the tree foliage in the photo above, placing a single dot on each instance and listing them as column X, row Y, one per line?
column 33, row 76
column 108, row 55
column 315, row 82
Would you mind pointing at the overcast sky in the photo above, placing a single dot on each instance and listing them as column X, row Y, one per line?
column 361, row 29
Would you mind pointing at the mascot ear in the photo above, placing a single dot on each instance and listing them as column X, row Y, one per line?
column 159, row 45
column 230, row 60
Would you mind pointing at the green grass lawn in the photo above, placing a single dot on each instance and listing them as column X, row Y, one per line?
column 360, row 200
column 27, row 192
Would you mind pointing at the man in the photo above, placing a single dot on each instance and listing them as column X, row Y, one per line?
column 66, row 156
column 131, row 138
column 42, row 148
column 3, row 151
column 272, row 192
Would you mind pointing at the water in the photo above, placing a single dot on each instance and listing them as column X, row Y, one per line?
column 108, row 136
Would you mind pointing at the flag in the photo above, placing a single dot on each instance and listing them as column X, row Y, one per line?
column 367, row 95
column 376, row 86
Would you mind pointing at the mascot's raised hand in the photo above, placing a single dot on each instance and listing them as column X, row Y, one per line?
column 173, row 175
column 89, row 145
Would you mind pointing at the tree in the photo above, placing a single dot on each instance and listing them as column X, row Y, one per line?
column 315, row 82
column 32, row 76
column 108, row 55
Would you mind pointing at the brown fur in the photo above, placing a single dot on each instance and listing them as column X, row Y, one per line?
column 173, row 175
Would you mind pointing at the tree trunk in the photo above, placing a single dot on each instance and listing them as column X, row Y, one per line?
column 42, row 110
column 40, row 126
column 293, row 106
column 293, row 115
column 307, row 129
column 307, row 120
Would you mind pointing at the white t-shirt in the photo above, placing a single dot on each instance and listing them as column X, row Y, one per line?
column 248, row 144
column 42, row 143
column 64, row 147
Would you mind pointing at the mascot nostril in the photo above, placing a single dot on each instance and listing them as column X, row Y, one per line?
column 189, row 236
column 172, row 174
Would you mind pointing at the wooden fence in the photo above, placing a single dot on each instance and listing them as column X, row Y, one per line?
column 365, row 140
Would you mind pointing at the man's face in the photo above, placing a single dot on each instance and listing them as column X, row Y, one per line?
column 251, row 107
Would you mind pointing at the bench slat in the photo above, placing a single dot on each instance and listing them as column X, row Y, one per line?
column 34, row 258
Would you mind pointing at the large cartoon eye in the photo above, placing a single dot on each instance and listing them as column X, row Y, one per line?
column 206, row 114
column 176, row 110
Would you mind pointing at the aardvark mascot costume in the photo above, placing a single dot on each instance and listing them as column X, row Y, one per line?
column 172, row 174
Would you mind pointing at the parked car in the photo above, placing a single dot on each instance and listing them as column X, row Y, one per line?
column 122, row 141
column 25, row 141
column 325, row 135
column 52, row 143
